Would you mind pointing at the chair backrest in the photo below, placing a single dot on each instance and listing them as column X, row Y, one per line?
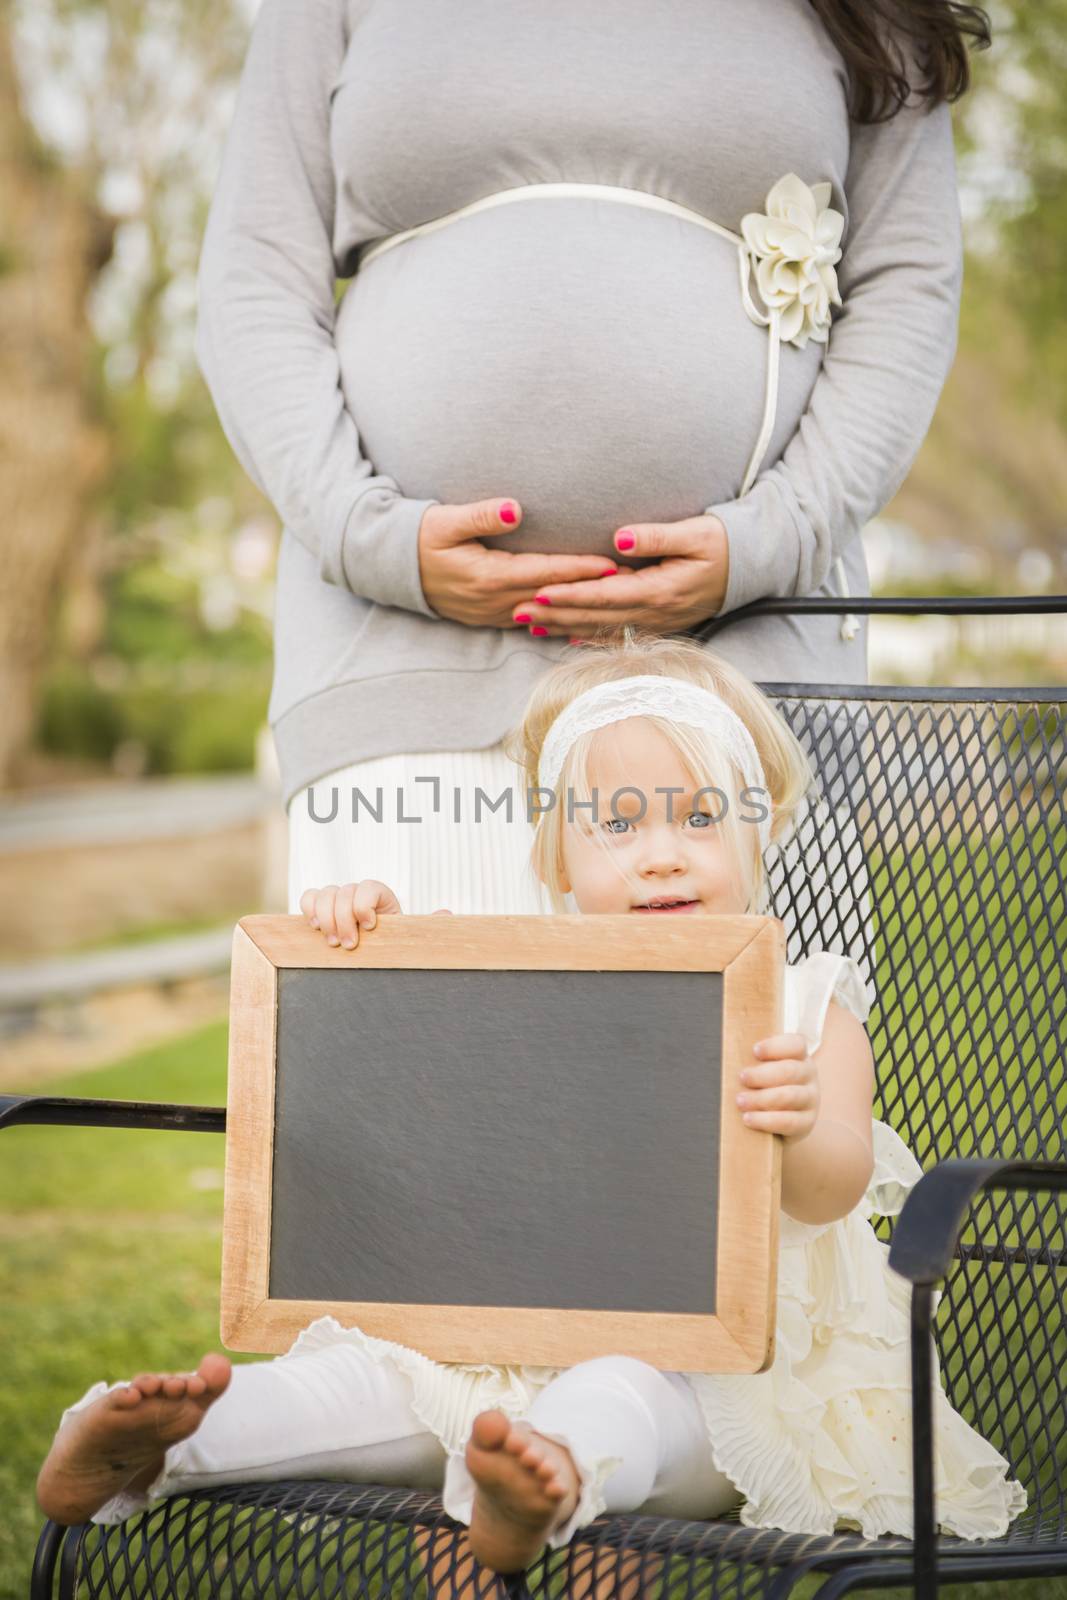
column 937, row 856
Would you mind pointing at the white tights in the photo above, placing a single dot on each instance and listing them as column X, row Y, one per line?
column 339, row 1413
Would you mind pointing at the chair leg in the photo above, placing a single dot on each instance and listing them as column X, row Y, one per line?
column 44, row 1562
column 452, row 1573
column 614, row 1574
column 596, row 1572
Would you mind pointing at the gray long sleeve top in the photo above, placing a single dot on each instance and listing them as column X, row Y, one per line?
column 591, row 358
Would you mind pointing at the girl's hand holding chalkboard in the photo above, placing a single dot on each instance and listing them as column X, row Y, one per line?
column 782, row 1094
column 339, row 913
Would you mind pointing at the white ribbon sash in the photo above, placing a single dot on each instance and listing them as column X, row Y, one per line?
column 653, row 202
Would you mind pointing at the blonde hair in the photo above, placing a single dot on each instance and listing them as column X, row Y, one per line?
column 785, row 765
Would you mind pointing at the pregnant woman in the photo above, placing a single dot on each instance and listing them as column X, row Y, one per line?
column 650, row 308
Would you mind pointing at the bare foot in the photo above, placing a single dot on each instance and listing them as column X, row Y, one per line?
column 527, row 1485
column 120, row 1440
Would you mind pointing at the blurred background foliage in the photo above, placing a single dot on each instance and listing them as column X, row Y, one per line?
column 136, row 628
column 135, row 618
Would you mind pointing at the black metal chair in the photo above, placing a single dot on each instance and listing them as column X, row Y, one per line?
column 939, row 859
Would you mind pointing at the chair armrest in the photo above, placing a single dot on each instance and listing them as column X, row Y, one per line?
column 921, row 1250
column 66, row 1111
column 928, row 1228
column 58, row 1110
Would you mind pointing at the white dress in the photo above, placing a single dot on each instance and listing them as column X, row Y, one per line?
column 823, row 1437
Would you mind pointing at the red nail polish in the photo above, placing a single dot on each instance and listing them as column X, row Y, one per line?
column 541, row 632
column 507, row 512
column 612, row 572
column 625, row 540
column 542, row 600
column 523, row 616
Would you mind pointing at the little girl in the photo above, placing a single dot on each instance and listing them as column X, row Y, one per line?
column 693, row 775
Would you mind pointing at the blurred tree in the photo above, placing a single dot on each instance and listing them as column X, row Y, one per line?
column 122, row 103
column 54, row 241
column 1035, row 231
column 993, row 470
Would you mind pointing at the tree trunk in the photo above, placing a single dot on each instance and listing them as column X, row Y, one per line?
column 53, row 454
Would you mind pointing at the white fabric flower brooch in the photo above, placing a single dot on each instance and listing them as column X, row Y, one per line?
column 794, row 248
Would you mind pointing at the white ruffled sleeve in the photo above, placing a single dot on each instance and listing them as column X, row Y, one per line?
column 811, row 984
column 896, row 1172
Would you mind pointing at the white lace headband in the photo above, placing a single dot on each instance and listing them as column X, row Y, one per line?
column 648, row 694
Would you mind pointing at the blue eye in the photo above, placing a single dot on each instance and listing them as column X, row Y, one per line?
column 704, row 819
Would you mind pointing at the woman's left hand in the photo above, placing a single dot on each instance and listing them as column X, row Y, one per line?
column 781, row 1095
column 687, row 584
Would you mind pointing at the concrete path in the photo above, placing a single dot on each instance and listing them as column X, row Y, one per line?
column 124, row 813
column 191, row 955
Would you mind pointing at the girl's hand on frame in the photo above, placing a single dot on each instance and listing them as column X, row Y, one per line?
column 781, row 1094
column 339, row 913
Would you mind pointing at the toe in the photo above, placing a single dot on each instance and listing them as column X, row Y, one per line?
column 174, row 1386
column 489, row 1430
column 149, row 1383
column 216, row 1371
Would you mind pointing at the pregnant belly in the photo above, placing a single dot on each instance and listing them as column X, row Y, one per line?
column 590, row 358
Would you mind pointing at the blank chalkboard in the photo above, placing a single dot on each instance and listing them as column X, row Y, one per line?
column 504, row 1138
column 479, row 1179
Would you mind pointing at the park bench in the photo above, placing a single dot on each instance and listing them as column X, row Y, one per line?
column 938, row 857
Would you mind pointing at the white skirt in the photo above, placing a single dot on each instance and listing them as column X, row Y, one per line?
column 445, row 829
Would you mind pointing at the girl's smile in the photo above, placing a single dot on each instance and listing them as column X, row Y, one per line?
column 671, row 905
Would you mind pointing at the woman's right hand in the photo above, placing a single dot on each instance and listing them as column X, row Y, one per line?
column 470, row 582
column 339, row 913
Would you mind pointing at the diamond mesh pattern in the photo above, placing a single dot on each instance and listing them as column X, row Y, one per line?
column 936, row 856
column 279, row 1541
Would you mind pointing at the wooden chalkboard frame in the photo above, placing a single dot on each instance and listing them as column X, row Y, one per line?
column 749, row 951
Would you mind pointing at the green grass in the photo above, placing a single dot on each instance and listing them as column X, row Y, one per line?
column 149, row 932
column 954, row 933
column 109, row 1260
column 109, row 1241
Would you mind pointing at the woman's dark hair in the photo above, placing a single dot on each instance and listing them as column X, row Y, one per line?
column 869, row 35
